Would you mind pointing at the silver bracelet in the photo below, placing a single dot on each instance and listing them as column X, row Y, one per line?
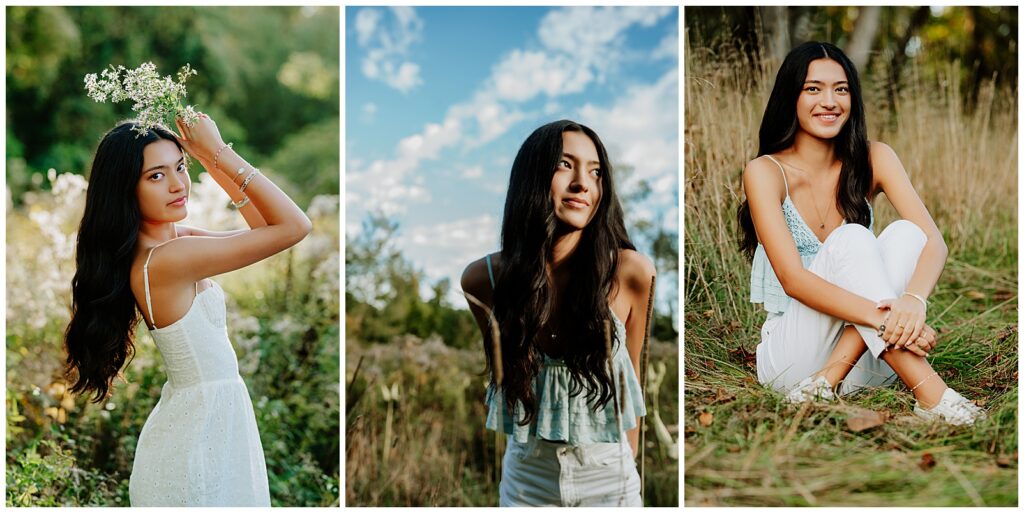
column 240, row 203
column 245, row 183
column 919, row 298
column 237, row 174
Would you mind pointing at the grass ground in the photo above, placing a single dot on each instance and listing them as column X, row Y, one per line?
column 422, row 441
column 743, row 444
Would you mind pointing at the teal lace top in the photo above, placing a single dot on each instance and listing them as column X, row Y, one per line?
column 764, row 284
column 570, row 418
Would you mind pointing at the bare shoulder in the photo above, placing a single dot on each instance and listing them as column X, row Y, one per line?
column 635, row 271
column 885, row 164
column 475, row 278
column 761, row 174
column 883, row 158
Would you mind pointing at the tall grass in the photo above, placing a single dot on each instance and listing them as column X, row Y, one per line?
column 439, row 452
column 743, row 444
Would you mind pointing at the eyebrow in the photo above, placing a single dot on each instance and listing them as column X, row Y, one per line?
column 823, row 83
column 180, row 161
column 574, row 157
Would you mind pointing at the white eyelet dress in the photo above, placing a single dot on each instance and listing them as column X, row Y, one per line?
column 200, row 445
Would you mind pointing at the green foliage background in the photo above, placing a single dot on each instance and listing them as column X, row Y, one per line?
column 269, row 76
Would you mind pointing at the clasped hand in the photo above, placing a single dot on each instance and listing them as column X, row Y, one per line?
column 905, row 326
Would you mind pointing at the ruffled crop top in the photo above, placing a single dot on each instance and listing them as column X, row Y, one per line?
column 571, row 418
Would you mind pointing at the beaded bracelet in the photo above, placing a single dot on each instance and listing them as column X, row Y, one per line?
column 248, row 179
column 240, row 203
column 216, row 158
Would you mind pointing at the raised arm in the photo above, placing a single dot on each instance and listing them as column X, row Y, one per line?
column 908, row 310
column 765, row 192
column 196, row 257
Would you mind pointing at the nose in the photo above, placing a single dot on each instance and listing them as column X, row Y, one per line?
column 828, row 100
column 177, row 183
column 579, row 182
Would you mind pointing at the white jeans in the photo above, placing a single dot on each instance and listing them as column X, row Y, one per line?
column 797, row 343
column 543, row 473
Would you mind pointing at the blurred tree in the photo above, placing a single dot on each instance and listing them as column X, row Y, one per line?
column 881, row 40
column 268, row 75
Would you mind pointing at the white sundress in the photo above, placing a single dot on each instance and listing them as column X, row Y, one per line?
column 200, row 445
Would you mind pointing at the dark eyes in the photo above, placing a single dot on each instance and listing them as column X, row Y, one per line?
column 159, row 174
column 815, row 89
column 568, row 165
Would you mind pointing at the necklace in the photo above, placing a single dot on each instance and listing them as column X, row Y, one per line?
column 814, row 202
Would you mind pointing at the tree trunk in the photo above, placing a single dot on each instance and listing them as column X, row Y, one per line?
column 863, row 37
column 775, row 23
column 918, row 19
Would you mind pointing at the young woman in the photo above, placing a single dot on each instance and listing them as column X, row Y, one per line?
column 568, row 297
column 860, row 315
column 200, row 445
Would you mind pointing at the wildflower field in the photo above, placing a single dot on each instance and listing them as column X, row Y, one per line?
column 282, row 321
column 744, row 445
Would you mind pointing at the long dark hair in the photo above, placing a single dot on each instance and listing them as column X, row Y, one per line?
column 523, row 294
column 101, row 334
column 780, row 124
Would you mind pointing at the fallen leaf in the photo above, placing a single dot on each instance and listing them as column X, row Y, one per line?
column 863, row 419
column 706, row 418
column 1003, row 460
column 721, row 396
column 975, row 294
column 927, row 461
column 709, row 314
column 733, row 449
column 735, row 325
column 980, row 402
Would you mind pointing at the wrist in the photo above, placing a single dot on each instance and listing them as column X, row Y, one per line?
column 916, row 297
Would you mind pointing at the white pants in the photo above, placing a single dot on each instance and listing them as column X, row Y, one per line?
column 543, row 473
column 797, row 343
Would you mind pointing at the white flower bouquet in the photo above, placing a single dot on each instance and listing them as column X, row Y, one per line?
column 157, row 99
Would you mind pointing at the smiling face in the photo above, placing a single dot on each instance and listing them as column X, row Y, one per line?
column 576, row 184
column 164, row 185
column 824, row 103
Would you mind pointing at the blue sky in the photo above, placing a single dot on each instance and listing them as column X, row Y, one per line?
column 439, row 99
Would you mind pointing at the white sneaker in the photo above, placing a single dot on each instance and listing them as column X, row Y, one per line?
column 811, row 389
column 953, row 409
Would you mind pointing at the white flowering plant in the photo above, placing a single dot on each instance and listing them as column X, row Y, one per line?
column 157, row 99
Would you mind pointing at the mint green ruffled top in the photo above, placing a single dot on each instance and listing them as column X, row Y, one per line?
column 764, row 284
column 571, row 418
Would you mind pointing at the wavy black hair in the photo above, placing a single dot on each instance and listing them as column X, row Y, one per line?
column 101, row 335
column 523, row 292
column 779, row 126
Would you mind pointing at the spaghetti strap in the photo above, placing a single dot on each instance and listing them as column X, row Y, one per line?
column 784, row 181
column 490, row 271
column 145, row 280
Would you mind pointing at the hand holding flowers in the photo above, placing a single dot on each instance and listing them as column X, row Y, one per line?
column 156, row 99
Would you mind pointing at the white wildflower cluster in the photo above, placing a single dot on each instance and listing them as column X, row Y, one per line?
column 157, row 99
column 40, row 255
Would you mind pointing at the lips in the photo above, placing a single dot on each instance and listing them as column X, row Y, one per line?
column 828, row 118
column 576, row 202
column 178, row 202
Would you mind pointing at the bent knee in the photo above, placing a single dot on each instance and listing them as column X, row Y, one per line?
column 852, row 232
column 904, row 229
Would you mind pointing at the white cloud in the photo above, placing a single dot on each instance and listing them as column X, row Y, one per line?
column 370, row 108
column 641, row 130
column 668, row 48
column 578, row 45
column 472, row 172
column 387, row 41
column 443, row 250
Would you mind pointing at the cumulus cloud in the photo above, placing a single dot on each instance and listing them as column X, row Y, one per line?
column 443, row 250
column 387, row 40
